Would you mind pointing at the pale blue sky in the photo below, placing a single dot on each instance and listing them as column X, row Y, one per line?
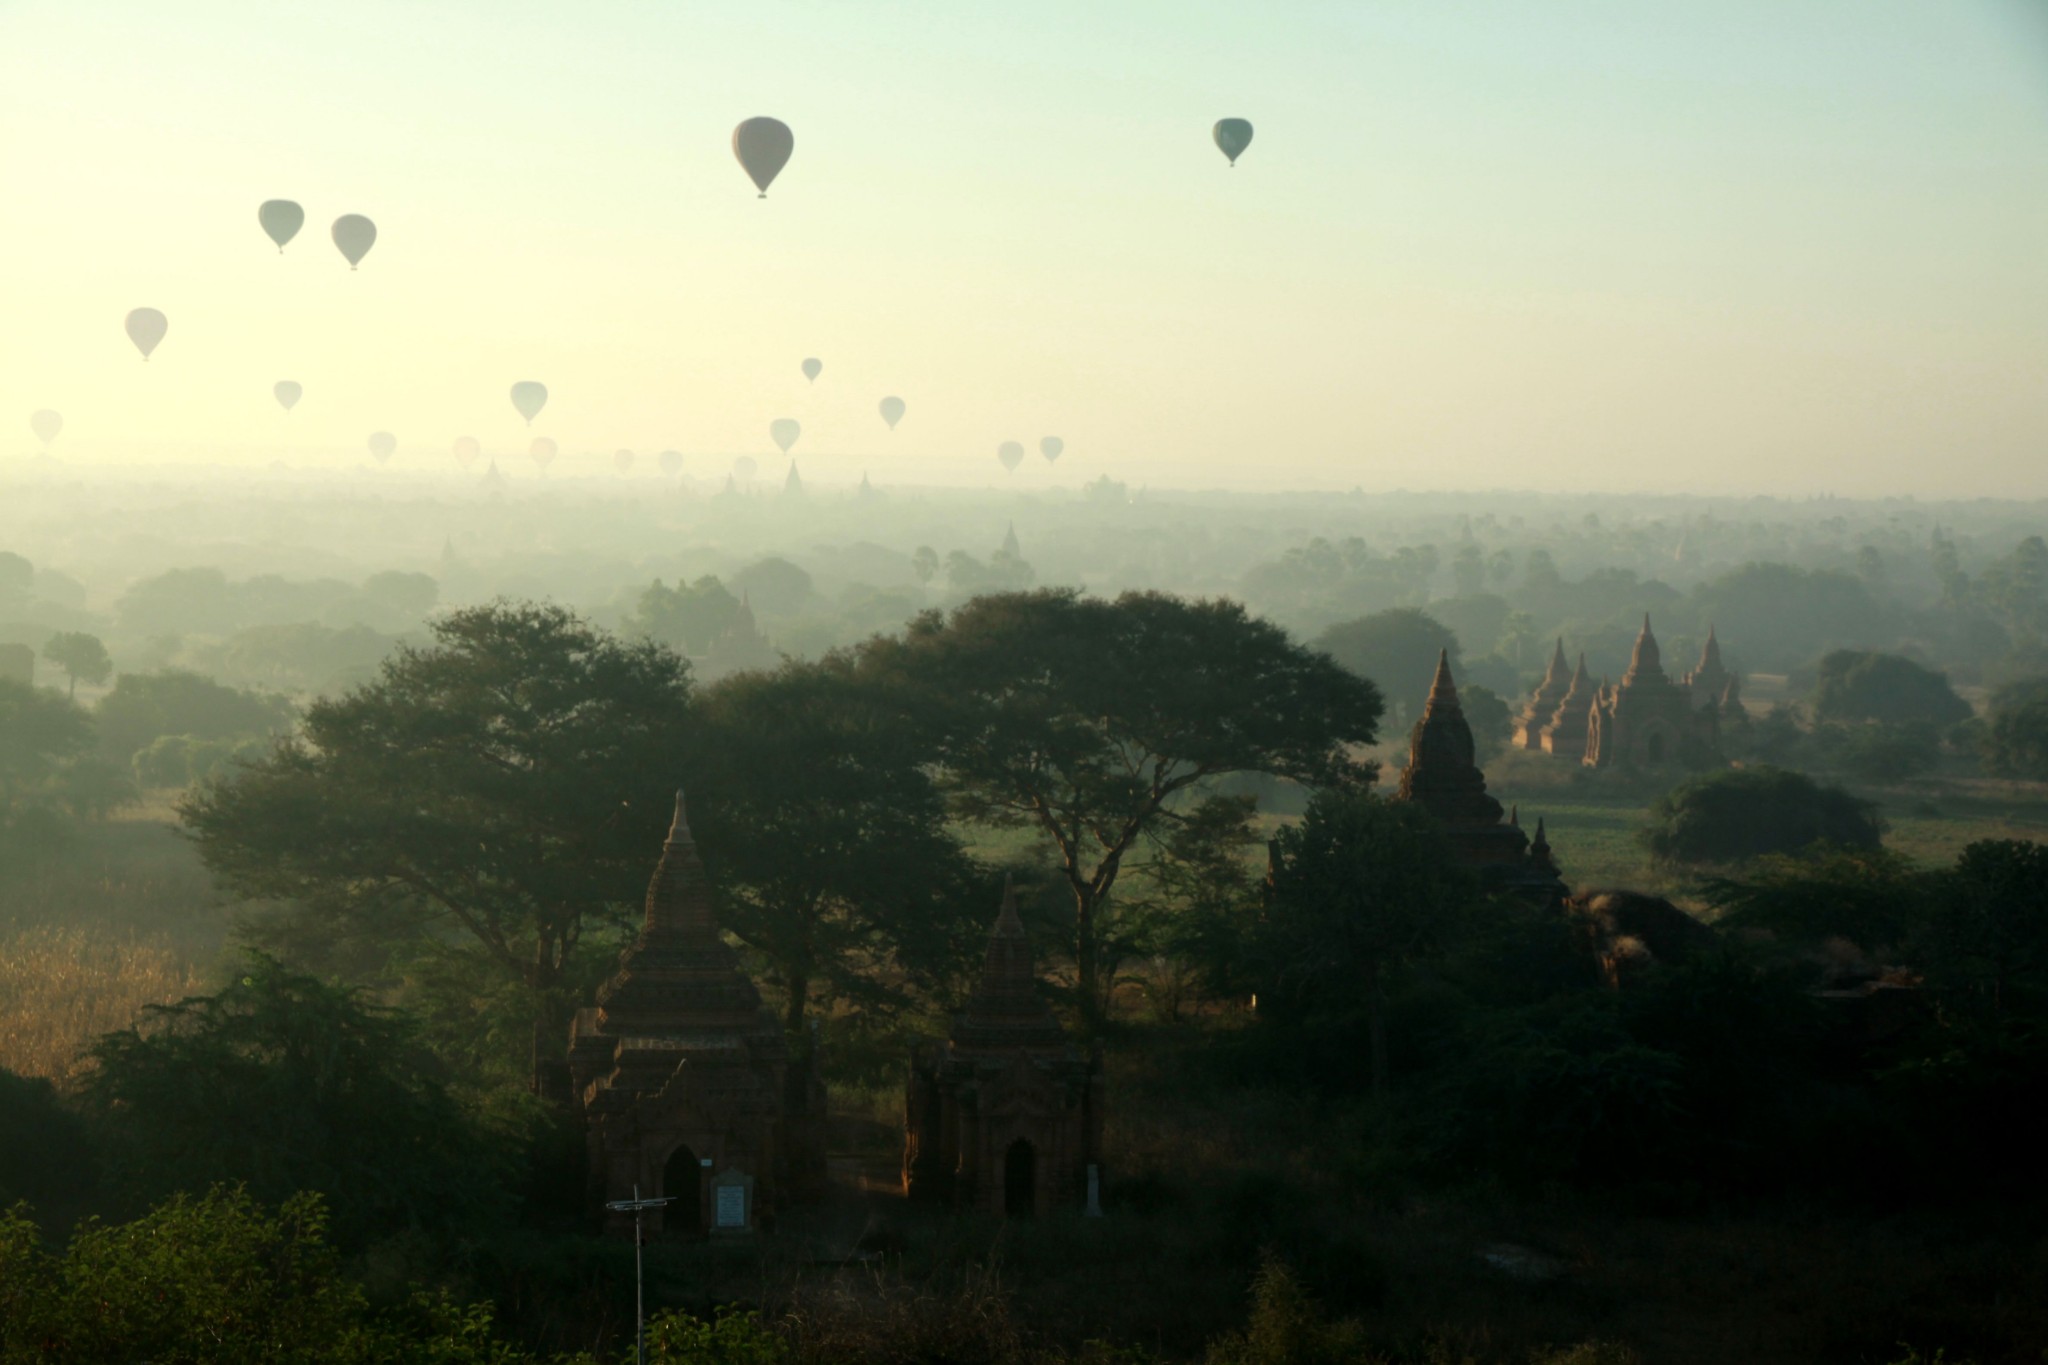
column 1771, row 245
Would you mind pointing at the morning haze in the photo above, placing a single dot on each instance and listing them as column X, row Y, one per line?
column 843, row 684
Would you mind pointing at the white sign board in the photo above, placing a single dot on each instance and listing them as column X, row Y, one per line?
column 732, row 1206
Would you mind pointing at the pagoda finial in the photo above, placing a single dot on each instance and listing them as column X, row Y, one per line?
column 1646, row 658
column 1008, row 923
column 1442, row 691
column 679, row 827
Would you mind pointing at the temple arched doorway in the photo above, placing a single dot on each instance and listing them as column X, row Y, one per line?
column 682, row 1181
column 1653, row 748
column 1020, row 1179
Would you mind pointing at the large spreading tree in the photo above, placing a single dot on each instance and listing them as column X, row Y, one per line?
column 1101, row 723
column 505, row 790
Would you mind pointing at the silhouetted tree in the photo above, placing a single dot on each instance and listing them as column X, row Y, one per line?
column 509, row 786
column 1746, row 812
column 1868, row 685
column 79, row 656
column 1397, row 649
column 1094, row 722
column 2016, row 741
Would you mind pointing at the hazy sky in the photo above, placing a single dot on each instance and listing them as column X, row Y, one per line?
column 1724, row 245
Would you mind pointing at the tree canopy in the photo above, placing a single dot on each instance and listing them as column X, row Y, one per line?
column 1866, row 685
column 1747, row 812
column 1098, row 722
column 1397, row 649
column 79, row 655
column 508, row 785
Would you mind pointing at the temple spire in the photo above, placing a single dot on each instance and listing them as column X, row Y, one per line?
column 1647, row 658
column 1442, row 691
column 679, row 895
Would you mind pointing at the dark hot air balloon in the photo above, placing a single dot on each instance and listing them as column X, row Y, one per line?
column 543, row 451
column 287, row 392
column 1233, row 135
column 622, row 460
column 813, row 368
column 382, row 445
column 892, row 411
column 529, row 397
column 281, row 220
column 784, row 431
column 467, row 448
column 1011, row 454
column 671, row 462
column 46, row 424
column 355, row 235
column 146, row 327
column 763, row 146
column 1050, row 447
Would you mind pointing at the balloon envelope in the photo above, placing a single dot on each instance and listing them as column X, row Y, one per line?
column 784, row 431
column 745, row 466
column 542, row 450
column 622, row 460
column 763, row 146
column 892, row 411
column 1051, row 447
column 355, row 235
column 281, row 220
column 529, row 397
column 46, row 425
column 287, row 393
column 146, row 327
column 382, row 444
column 671, row 462
column 813, row 368
column 1011, row 454
column 1233, row 135
column 467, row 448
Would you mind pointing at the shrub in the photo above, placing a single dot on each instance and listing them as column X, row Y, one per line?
column 1867, row 685
column 1748, row 812
column 2016, row 743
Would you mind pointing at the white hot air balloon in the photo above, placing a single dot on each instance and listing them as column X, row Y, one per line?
column 529, row 397
column 354, row 235
column 784, row 431
column 287, row 392
column 622, row 460
column 543, row 450
column 383, row 445
column 746, row 467
column 146, row 327
column 892, row 411
column 1050, row 447
column 46, row 424
column 813, row 367
column 1011, row 453
column 467, row 448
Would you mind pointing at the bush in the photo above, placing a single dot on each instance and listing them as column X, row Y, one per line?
column 1889, row 688
column 1748, row 812
column 2016, row 744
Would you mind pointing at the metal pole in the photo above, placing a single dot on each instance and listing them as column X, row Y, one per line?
column 637, row 1206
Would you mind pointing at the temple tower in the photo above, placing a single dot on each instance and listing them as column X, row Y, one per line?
column 1649, row 721
column 1568, row 729
column 681, row 1073
column 1006, row 1115
column 1543, row 702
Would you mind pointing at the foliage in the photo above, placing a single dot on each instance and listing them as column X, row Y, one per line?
column 1488, row 715
column 1889, row 688
column 822, row 825
column 774, row 585
column 688, row 617
column 1877, row 752
column 180, row 760
column 1397, row 649
column 1287, row 1327
column 1747, row 812
column 1870, row 897
column 17, row 575
column 507, row 788
column 143, row 706
column 1780, row 613
column 1094, row 722
column 41, row 733
column 80, row 656
column 2016, row 744
column 45, row 1151
column 283, row 1084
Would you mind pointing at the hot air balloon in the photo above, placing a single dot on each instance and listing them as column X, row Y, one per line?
column 745, row 466
column 46, row 425
column 529, row 397
column 1233, row 135
column 671, row 462
column 146, row 327
column 287, row 393
column 763, row 146
column 467, row 448
column 784, row 431
column 382, row 444
column 355, row 235
column 1011, row 454
column 281, row 220
column 892, row 411
column 543, row 452
column 622, row 460
column 1050, row 447
column 813, row 367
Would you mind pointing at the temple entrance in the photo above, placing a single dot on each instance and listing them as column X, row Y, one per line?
column 1653, row 747
column 682, row 1181
column 1020, row 1180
